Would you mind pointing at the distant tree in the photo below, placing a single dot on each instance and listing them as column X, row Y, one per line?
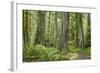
column 39, row 38
column 55, row 28
column 77, row 30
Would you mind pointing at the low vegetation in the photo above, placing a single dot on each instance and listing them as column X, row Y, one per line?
column 41, row 53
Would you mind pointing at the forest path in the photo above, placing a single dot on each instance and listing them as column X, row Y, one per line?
column 82, row 56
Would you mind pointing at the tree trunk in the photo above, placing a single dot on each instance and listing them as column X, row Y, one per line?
column 89, row 29
column 64, row 33
column 25, row 28
column 88, row 33
column 77, row 30
column 55, row 29
column 81, row 33
column 48, row 40
column 39, row 39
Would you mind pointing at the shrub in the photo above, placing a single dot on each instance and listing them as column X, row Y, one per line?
column 34, row 53
column 53, row 54
column 39, row 50
column 41, row 53
column 27, row 52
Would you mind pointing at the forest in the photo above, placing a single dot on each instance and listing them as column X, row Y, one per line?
column 56, row 35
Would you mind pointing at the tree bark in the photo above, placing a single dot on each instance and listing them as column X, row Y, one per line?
column 25, row 28
column 39, row 39
column 81, row 32
column 55, row 29
column 77, row 30
column 88, row 33
column 64, row 33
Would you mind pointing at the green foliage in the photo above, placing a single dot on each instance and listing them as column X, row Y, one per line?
column 41, row 53
column 27, row 52
column 34, row 53
column 87, row 51
column 73, row 49
column 40, row 49
column 53, row 54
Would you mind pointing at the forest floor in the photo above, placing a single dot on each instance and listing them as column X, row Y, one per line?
column 42, row 53
column 82, row 56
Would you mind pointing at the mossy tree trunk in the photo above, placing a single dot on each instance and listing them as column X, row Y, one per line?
column 81, row 32
column 40, row 28
column 25, row 28
column 88, row 33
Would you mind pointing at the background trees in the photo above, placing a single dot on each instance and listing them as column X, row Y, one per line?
column 62, row 31
column 40, row 31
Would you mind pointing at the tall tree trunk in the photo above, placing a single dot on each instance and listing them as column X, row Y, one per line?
column 89, row 29
column 88, row 33
column 55, row 29
column 67, row 32
column 81, row 33
column 48, row 41
column 77, row 30
column 64, row 33
column 39, row 39
column 25, row 28
column 49, row 23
